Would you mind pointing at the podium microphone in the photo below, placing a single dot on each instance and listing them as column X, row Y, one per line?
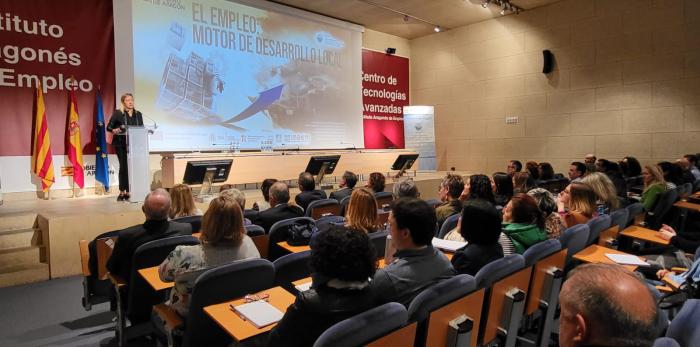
column 155, row 124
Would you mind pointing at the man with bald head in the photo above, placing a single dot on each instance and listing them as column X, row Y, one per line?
column 606, row 305
column 157, row 226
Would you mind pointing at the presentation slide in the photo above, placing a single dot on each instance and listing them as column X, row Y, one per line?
column 216, row 74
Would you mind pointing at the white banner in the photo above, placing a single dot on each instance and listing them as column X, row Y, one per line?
column 419, row 134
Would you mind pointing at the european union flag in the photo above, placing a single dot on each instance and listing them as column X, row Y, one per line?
column 101, row 159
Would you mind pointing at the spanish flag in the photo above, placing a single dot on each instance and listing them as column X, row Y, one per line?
column 42, row 162
column 75, row 148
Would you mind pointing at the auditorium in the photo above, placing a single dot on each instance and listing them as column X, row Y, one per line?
column 350, row 173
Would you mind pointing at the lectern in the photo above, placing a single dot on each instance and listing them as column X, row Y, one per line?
column 137, row 147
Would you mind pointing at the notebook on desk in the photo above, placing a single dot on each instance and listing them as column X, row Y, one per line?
column 626, row 259
column 303, row 287
column 447, row 245
column 260, row 313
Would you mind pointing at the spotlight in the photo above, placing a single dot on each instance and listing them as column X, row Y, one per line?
column 503, row 10
column 485, row 4
column 405, row 18
column 437, row 29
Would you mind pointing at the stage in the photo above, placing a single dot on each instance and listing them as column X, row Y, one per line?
column 40, row 237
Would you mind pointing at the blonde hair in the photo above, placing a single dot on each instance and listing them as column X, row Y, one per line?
column 121, row 107
column 362, row 211
column 182, row 201
column 657, row 176
column 582, row 199
column 223, row 223
column 603, row 188
column 235, row 194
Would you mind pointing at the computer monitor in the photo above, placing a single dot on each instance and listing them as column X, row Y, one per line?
column 317, row 162
column 404, row 161
column 196, row 172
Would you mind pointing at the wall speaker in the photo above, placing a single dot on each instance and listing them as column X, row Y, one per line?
column 391, row 50
column 547, row 61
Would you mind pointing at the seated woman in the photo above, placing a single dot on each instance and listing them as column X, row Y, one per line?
column 502, row 185
column 654, row 185
column 548, row 206
column 342, row 262
column 532, row 169
column 223, row 240
column 630, row 167
column 478, row 186
column 362, row 211
column 481, row 234
column 523, row 225
column 239, row 197
column 576, row 204
column 182, row 202
column 545, row 171
column 673, row 174
column 376, row 182
column 605, row 191
column 522, row 182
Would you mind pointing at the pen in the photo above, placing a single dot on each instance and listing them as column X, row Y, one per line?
column 236, row 312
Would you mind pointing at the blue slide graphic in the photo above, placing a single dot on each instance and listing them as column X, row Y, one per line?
column 266, row 98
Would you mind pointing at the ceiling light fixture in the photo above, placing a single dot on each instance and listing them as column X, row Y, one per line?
column 506, row 6
column 407, row 17
column 437, row 29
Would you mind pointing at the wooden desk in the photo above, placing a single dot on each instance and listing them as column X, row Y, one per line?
column 240, row 329
column 293, row 249
column 150, row 274
column 535, row 292
column 637, row 232
column 596, row 254
column 470, row 305
column 688, row 205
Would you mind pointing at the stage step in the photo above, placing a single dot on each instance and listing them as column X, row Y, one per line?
column 20, row 238
column 14, row 221
column 22, row 274
column 22, row 255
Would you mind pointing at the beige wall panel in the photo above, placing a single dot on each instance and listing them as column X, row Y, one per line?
column 692, row 32
column 502, row 67
column 487, row 109
column 677, row 92
column 467, row 129
column 568, row 11
column 486, row 147
column 570, row 146
column 503, row 87
column 575, row 56
column 673, row 145
column 493, row 48
column 661, row 14
column 597, row 123
column 542, row 126
column 432, row 96
column 379, row 41
column 669, row 39
column 466, row 91
column 596, row 76
column 526, row 105
column 594, row 29
column 650, row 120
column 618, row 146
column 653, row 68
column 557, row 80
column 623, row 47
column 434, row 60
column 571, row 101
column 618, row 97
column 692, row 63
column 526, row 147
column 555, row 37
column 497, row 128
column 607, row 7
column 691, row 116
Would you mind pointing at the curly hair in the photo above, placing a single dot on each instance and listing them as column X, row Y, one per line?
column 480, row 188
column 344, row 254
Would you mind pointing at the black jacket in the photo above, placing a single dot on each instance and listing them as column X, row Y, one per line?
column 316, row 310
column 340, row 194
column 472, row 257
column 303, row 199
column 117, row 121
column 131, row 238
column 275, row 214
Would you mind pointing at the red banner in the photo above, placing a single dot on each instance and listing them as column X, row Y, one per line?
column 384, row 94
column 48, row 42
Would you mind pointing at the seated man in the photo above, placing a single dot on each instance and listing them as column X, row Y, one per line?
column 606, row 305
column 513, row 167
column 308, row 193
column 279, row 209
column 576, row 171
column 416, row 265
column 156, row 208
column 347, row 184
column 451, row 188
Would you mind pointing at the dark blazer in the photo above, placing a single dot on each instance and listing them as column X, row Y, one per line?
column 120, row 120
column 131, row 238
column 275, row 214
column 303, row 199
column 472, row 257
column 316, row 310
column 340, row 194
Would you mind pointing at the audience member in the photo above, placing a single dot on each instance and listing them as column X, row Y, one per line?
column 481, row 234
column 685, row 168
column 692, row 159
column 223, row 240
column 478, row 186
column 182, row 202
column 502, row 185
column 451, row 188
column 612, row 170
column 513, row 167
column 576, row 204
column 590, row 158
column 630, row 167
column 347, row 184
column 523, row 225
column 342, row 262
column 548, row 206
column 308, row 191
column 545, row 171
column 605, row 191
column 522, row 182
column 265, row 189
column 405, row 188
column 156, row 207
column 362, row 211
column 654, row 185
column 533, row 169
column 688, row 242
column 239, row 197
column 416, row 265
column 376, row 182
column 280, row 209
column 225, row 186
column 672, row 174
column 576, row 171
column 606, row 305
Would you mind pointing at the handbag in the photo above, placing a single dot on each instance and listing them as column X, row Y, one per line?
column 299, row 233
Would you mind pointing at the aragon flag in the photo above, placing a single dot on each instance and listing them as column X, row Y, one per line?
column 75, row 148
column 42, row 161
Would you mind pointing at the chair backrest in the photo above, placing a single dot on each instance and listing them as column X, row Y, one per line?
column 221, row 284
column 383, row 199
column 364, row 327
column 141, row 297
column 438, row 295
column 662, row 208
column 449, row 224
column 498, row 269
column 665, row 342
column 685, row 189
column 697, row 254
column 684, row 327
column 595, row 226
column 574, row 240
column 322, row 207
column 433, row 202
column 103, row 250
column 292, row 267
column 344, row 205
column 540, row 250
column 378, row 240
column 254, row 230
column 619, row 217
column 696, row 186
column 194, row 221
column 278, row 233
column 633, row 210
